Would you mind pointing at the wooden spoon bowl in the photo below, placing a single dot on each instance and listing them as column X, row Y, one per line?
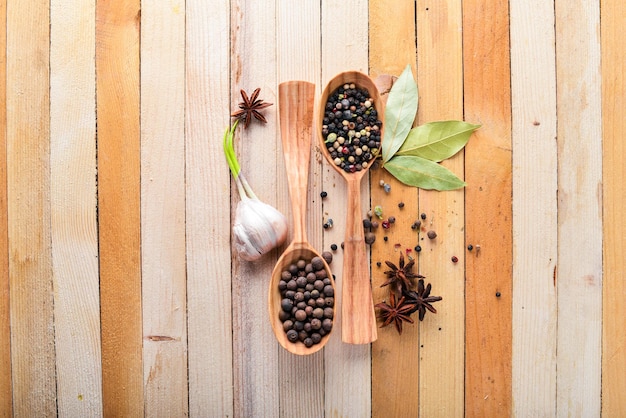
column 295, row 101
column 358, row 321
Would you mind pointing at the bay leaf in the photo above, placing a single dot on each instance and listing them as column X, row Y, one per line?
column 423, row 173
column 437, row 141
column 400, row 112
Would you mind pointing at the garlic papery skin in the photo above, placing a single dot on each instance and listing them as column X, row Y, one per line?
column 258, row 229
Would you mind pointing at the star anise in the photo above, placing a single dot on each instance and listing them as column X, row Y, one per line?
column 400, row 278
column 396, row 312
column 250, row 107
column 421, row 300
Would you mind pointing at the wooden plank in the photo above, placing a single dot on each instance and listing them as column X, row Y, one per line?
column 298, row 52
column 28, row 201
column 6, row 398
column 395, row 375
column 487, row 99
column 117, row 89
column 534, row 208
column 345, row 364
column 440, row 84
column 579, row 266
column 255, row 349
column 163, row 208
column 613, row 15
column 73, row 215
column 209, row 322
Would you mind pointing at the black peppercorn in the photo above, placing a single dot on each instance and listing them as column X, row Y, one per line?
column 401, row 205
column 418, row 248
column 318, row 263
column 432, row 234
column 386, row 238
column 292, row 335
column 323, row 195
column 333, row 247
column 423, row 216
column 470, row 247
column 498, row 294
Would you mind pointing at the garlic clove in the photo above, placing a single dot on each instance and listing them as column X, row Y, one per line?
column 258, row 229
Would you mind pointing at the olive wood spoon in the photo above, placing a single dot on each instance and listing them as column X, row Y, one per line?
column 358, row 321
column 295, row 108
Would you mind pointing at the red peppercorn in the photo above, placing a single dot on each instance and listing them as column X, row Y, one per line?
column 455, row 259
column 386, row 224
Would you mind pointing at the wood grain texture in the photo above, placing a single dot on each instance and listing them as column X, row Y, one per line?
column 255, row 350
column 117, row 94
column 395, row 375
column 6, row 398
column 440, row 85
column 534, row 168
column 73, row 199
column 487, row 100
column 613, row 15
column 298, row 52
column 28, row 206
column 164, row 296
column 579, row 267
column 345, row 363
column 209, row 317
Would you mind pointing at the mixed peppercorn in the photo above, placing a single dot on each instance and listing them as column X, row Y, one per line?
column 351, row 128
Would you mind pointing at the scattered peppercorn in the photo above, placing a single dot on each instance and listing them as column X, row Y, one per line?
column 342, row 245
column 370, row 237
column 374, row 224
column 401, row 205
column 386, row 238
column 418, row 248
column 323, row 195
column 378, row 264
column 423, row 216
column 386, row 224
column 333, row 247
column 498, row 294
column 392, row 219
column 387, row 187
column 327, row 256
column 431, row 234
column 367, row 223
column 470, row 247
column 455, row 259
column 416, row 225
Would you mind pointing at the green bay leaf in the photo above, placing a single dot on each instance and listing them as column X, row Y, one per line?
column 423, row 173
column 400, row 112
column 437, row 141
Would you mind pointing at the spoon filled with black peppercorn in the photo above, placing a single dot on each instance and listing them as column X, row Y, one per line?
column 349, row 129
column 301, row 294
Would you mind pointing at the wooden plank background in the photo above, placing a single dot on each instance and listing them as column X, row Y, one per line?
column 121, row 294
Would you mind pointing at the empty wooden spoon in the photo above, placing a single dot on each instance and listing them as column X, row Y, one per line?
column 358, row 321
column 295, row 107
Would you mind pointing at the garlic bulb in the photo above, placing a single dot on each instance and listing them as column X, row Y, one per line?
column 258, row 227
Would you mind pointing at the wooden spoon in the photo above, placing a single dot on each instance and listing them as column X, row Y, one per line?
column 358, row 323
column 295, row 106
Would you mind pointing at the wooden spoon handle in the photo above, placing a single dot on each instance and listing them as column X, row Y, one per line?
column 295, row 107
column 358, row 323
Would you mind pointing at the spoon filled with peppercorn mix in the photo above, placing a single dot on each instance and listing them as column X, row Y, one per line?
column 301, row 294
column 350, row 131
